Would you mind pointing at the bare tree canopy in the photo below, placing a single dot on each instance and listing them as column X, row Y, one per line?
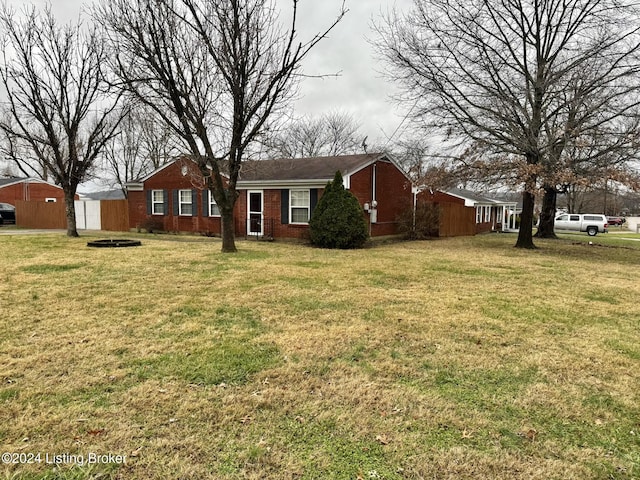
column 523, row 78
column 142, row 144
column 330, row 134
column 215, row 72
column 59, row 105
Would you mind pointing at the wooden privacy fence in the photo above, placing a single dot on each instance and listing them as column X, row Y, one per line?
column 40, row 214
column 114, row 215
column 456, row 220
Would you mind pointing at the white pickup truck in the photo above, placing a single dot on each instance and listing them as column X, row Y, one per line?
column 592, row 223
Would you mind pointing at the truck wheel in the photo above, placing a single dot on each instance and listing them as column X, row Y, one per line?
column 592, row 231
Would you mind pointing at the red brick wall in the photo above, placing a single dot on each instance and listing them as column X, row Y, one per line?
column 393, row 194
column 36, row 191
column 171, row 179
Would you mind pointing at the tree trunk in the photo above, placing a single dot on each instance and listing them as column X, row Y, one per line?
column 547, row 214
column 70, row 210
column 228, row 231
column 525, row 235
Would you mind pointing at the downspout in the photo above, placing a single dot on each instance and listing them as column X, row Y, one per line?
column 374, row 183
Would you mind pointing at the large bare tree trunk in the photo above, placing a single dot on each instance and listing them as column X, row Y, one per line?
column 70, row 211
column 525, row 234
column 547, row 214
column 228, row 231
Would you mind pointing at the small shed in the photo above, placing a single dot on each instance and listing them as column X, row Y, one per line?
column 28, row 189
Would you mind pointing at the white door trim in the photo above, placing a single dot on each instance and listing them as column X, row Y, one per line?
column 254, row 216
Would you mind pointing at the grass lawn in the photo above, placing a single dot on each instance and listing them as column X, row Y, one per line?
column 448, row 359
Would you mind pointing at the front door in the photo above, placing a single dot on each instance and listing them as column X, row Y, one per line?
column 254, row 213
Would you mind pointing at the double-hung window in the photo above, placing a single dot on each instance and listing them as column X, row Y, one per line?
column 157, row 202
column 214, row 210
column 487, row 214
column 300, row 206
column 185, row 202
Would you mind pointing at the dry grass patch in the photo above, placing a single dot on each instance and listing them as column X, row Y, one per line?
column 460, row 358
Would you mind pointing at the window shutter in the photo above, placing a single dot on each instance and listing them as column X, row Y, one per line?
column 149, row 201
column 205, row 203
column 165, row 198
column 176, row 206
column 313, row 201
column 284, row 206
column 194, row 203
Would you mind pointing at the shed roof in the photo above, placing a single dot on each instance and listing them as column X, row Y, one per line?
column 4, row 182
column 10, row 181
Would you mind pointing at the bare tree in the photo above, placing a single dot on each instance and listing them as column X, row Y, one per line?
column 59, row 104
column 498, row 72
column 330, row 134
column 215, row 72
column 142, row 144
column 19, row 156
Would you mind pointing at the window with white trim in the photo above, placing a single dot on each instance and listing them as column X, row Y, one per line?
column 299, row 206
column 157, row 202
column 487, row 214
column 185, row 202
column 478, row 214
column 214, row 210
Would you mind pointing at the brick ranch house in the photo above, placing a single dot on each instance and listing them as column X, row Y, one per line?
column 277, row 197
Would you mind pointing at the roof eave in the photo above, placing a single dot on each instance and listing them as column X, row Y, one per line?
column 275, row 184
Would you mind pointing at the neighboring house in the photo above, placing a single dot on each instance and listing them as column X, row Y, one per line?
column 16, row 189
column 276, row 197
column 491, row 214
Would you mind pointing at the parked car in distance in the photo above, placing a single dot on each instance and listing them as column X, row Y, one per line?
column 7, row 214
column 616, row 220
column 588, row 222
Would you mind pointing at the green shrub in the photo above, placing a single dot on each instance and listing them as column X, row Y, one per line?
column 337, row 221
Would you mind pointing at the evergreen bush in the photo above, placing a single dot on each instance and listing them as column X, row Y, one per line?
column 337, row 221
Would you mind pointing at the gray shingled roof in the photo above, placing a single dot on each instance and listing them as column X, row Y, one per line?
column 314, row 168
column 461, row 192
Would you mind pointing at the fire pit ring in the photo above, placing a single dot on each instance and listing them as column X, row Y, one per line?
column 114, row 243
